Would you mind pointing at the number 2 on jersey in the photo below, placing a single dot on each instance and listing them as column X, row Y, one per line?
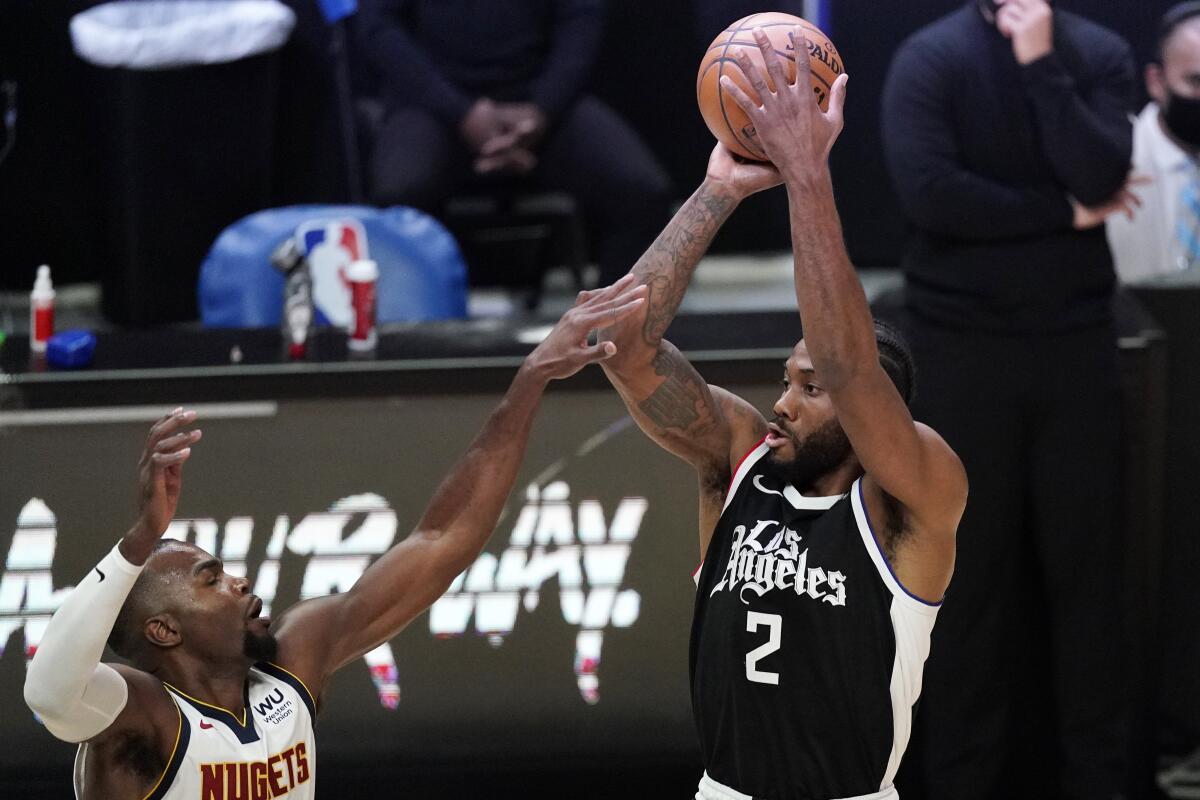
column 774, row 623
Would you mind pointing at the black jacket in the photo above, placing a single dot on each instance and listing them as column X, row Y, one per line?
column 986, row 154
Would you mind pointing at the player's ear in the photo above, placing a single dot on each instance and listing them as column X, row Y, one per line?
column 162, row 630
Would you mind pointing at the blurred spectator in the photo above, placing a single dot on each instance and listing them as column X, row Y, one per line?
column 481, row 89
column 1164, row 236
column 1008, row 138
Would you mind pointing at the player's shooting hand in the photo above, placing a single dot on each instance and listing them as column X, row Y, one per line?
column 566, row 350
column 1030, row 26
column 744, row 177
column 160, row 470
column 793, row 131
column 1125, row 201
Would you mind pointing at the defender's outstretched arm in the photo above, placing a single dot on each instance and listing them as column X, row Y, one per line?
column 78, row 697
column 321, row 635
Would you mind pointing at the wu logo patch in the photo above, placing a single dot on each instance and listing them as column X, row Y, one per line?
column 269, row 703
column 274, row 708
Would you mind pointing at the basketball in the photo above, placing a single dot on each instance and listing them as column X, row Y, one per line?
column 721, row 113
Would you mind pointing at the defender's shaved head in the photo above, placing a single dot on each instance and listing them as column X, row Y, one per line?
column 153, row 593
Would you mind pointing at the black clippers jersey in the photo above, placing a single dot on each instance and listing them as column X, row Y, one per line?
column 806, row 653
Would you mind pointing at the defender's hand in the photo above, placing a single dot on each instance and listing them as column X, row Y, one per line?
column 795, row 134
column 743, row 177
column 160, row 471
column 566, row 351
column 1030, row 26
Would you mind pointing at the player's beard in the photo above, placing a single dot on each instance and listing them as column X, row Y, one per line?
column 820, row 453
column 260, row 647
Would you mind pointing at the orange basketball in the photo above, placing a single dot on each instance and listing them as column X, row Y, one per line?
column 722, row 114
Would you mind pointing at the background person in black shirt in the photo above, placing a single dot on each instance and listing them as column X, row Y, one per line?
column 1008, row 138
column 479, row 88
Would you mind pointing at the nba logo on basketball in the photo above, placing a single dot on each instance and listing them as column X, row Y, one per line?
column 330, row 246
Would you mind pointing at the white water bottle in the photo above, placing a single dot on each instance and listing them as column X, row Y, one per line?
column 362, row 276
column 41, row 311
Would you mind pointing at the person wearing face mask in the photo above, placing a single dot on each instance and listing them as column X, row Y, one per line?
column 1007, row 135
column 1164, row 236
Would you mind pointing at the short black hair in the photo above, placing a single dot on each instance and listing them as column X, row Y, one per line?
column 146, row 593
column 1175, row 17
column 896, row 358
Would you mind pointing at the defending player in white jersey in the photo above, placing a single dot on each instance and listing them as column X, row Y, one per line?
column 827, row 534
column 217, row 701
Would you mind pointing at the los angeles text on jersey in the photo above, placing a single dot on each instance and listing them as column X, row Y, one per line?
column 768, row 557
column 256, row 780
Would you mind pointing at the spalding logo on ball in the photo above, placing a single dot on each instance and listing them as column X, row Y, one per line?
column 724, row 118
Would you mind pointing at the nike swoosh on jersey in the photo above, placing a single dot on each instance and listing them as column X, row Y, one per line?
column 101, row 575
column 758, row 485
column 205, row 725
column 793, row 496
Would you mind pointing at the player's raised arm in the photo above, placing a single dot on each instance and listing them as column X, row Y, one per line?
column 906, row 460
column 77, row 697
column 321, row 635
column 705, row 426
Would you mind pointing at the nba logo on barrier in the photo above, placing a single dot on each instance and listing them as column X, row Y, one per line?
column 330, row 246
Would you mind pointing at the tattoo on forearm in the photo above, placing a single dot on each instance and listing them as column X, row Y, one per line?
column 681, row 399
column 662, row 308
column 667, row 266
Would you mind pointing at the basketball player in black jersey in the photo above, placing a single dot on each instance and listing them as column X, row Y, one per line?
column 826, row 534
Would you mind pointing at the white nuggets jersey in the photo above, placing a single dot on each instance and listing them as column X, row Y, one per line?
column 268, row 753
column 806, row 652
